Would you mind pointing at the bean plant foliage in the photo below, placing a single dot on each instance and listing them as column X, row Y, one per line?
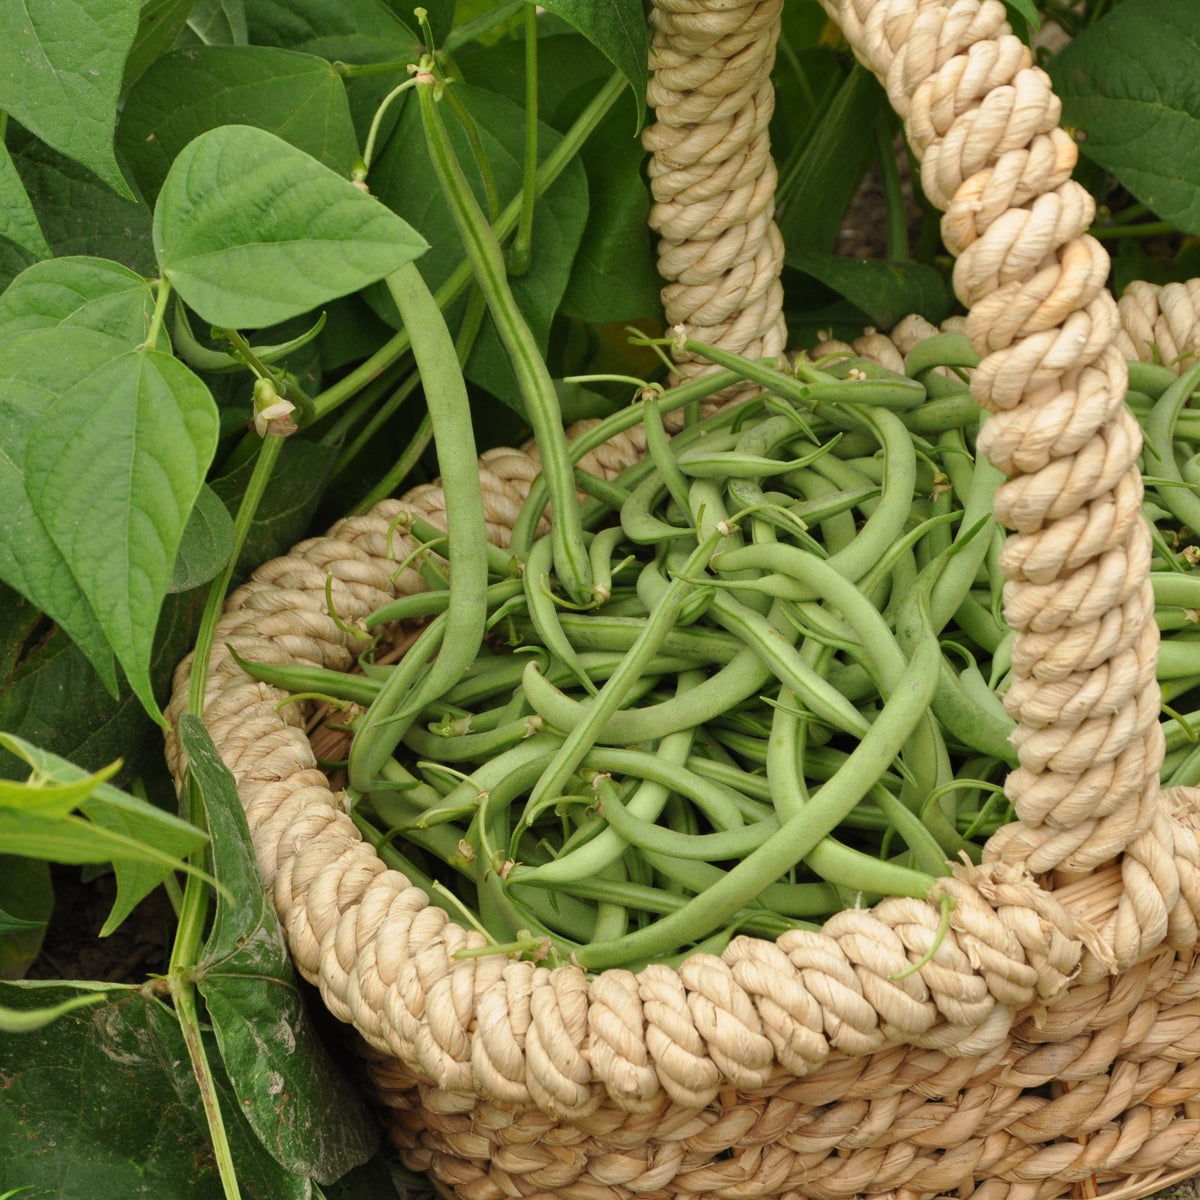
column 205, row 206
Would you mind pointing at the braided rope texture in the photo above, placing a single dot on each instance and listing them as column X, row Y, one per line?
column 1053, row 1037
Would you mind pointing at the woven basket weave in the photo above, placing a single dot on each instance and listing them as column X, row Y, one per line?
column 1052, row 1043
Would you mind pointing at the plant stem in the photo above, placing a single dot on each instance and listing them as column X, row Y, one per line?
column 521, row 253
column 255, row 489
column 533, row 377
column 1108, row 233
column 183, row 993
column 160, row 312
column 897, row 216
column 552, row 167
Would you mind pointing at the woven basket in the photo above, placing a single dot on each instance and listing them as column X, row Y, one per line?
column 1053, row 1041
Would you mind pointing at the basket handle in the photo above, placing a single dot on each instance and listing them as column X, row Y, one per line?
column 984, row 123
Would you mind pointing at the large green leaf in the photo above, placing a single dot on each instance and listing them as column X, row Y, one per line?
column 92, row 293
column 30, row 561
column 103, row 1103
column 350, row 30
column 404, row 178
column 18, row 221
column 77, row 213
column 61, row 63
column 1128, row 83
column 159, row 24
column 302, row 1108
column 253, row 231
column 112, row 468
column 614, row 277
column 207, row 545
column 885, row 291
column 618, row 29
column 296, row 96
column 144, row 843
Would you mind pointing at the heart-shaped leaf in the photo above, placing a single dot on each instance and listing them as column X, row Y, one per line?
column 1128, row 83
column 60, row 75
column 93, row 293
column 18, row 221
column 618, row 29
column 112, row 468
column 297, row 96
column 253, row 231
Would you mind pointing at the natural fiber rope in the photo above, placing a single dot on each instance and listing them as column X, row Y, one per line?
column 670, row 1071
column 712, row 177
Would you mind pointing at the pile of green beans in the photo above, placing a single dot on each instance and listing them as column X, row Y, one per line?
column 781, row 697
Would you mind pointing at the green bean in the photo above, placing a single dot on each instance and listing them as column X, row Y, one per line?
column 786, row 899
column 979, row 726
column 757, row 922
column 740, row 678
column 544, row 614
column 779, row 654
column 1159, row 429
column 468, row 746
column 678, row 397
column 834, row 398
column 798, row 836
column 941, row 350
column 608, row 494
column 593, row 856
column 533, row 378
column 658, row 450
column 604, row 706
column 704, row 847
column 601, row 551
column 458, row 632
column 718, row 804
column 430, row 603
column 1152, row 379
column 617, row 634
column 296, row 677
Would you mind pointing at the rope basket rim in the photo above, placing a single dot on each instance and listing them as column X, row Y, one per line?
column 524, row 1036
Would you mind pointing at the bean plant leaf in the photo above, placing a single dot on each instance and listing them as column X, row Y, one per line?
column 61, row 71
column 303, row 1109
column 1027, row 10
column 1128, row 84
column 112, row 468
column 296, row 96
column 78, row 214
column 884, row 291
column 92, row 293
column 614, row 277
column 355, row 31
column 103, row 1103
column 618, row 29
column 144, row 843
column 208, row 541
column 18, row 221
column 253, row 231
column 30, row 561
column 297, row 483
column 160, row 22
